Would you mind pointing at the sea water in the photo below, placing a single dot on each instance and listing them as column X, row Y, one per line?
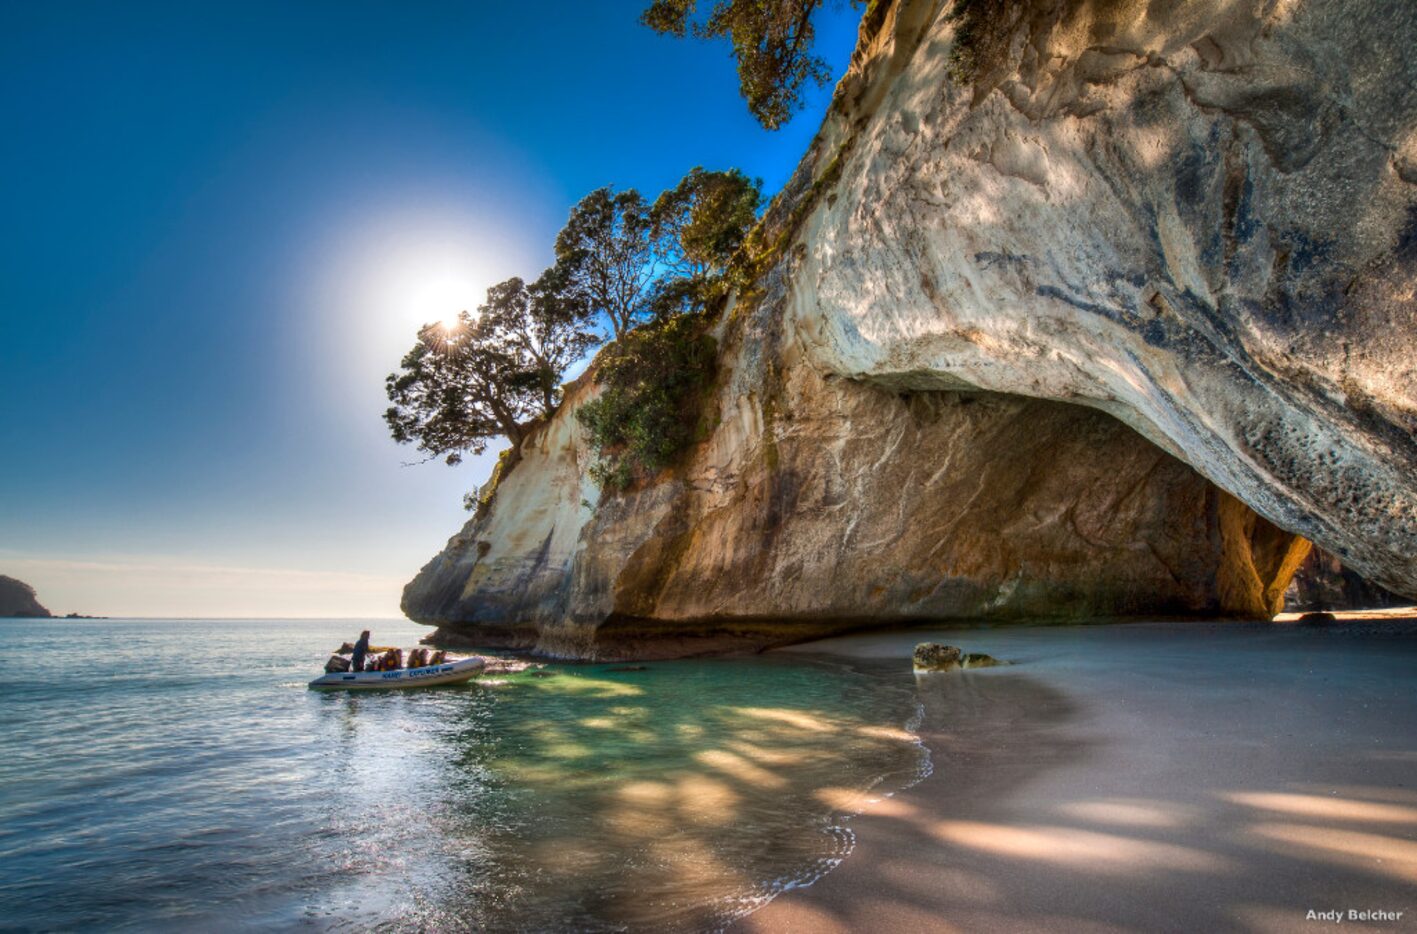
column 179, row 775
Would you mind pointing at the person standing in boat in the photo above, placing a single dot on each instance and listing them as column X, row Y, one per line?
column 361, row 648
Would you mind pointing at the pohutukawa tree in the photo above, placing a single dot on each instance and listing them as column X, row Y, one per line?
column 652, row 380
column 488, row 376
column 631, row 262
column 771, row 39
column 621, row 262
column 698, row 225
column 455, row 391
column 544, row 325
column 604, row 254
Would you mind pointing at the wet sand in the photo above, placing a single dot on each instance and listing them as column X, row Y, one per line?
column 1158, row 777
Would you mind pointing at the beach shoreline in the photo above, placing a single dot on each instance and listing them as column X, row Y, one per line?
column 1147, row 776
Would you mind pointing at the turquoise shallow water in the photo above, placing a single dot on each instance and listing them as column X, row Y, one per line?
column 178, row 775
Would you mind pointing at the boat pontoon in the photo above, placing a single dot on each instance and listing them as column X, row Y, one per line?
column 446, row 673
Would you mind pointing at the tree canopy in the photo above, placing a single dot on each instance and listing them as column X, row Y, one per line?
column 698, row 226
column 772, row 42
column 630, row 261
column 488, row 376
column 702, row 221
column 546, row 326
column 604, row 255
column 620, row 261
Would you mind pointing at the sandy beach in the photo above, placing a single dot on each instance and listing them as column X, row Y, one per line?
column 1160, row 777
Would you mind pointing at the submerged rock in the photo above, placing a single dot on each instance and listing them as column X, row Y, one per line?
column 1017, row 339
column 932, row 656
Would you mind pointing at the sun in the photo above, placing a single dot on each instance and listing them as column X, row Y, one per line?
column 388, row 277
column 437, row 295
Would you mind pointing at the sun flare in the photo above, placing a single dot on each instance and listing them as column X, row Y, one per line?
column 400, row 275
column 437, row 296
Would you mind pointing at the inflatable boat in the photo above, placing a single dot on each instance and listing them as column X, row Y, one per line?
column 446, row 673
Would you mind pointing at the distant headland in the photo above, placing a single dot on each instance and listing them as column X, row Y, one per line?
column 18, row 599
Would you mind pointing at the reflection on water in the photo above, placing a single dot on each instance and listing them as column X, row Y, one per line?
column 660, row 791
column 186, row 777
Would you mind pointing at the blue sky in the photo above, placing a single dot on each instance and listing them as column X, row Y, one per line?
column 222, row 223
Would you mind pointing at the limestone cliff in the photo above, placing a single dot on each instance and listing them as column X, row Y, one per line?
column 1200, row 217
column 17, row 599
column 1195, row 219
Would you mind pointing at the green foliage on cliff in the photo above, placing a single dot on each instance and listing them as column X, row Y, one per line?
column 653, row 376
column 765, row 243
column 649, row 273
column 772, row 43
column 481, row 500
column 652, row 381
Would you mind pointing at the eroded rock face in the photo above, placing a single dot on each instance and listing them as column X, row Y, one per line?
column 1197, row 218
column 1200, row 217
column 820, row 504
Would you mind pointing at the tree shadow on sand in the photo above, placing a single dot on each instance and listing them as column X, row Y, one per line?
column 957, row 853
